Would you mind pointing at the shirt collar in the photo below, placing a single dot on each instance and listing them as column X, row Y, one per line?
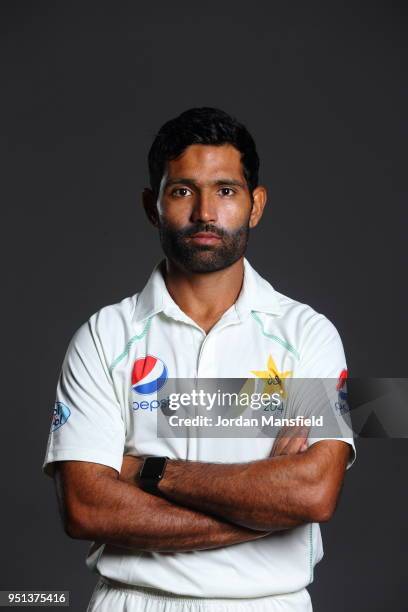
column 257, row 294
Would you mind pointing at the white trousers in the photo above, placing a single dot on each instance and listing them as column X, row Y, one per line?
column 113, row 597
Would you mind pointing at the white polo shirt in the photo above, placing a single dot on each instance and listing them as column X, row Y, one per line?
column 105, row 408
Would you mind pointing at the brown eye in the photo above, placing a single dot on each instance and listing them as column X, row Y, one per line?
column 227, row 189
column 177, row 192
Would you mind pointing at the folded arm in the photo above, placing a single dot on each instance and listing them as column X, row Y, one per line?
column 274, row 493
column 98, row 504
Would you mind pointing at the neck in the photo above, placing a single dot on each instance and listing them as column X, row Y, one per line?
column 204, row 295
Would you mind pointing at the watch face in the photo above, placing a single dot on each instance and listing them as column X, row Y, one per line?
column 153, row 467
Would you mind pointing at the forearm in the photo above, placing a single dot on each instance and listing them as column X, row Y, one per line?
column 120, row 513
column 270, row 494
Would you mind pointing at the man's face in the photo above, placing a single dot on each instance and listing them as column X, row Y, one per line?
column 204, row 208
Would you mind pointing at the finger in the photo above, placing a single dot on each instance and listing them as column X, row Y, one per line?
column 290, row 440
column 283, row 446
column 297, row 442
column 293, row 447
column 279, row 441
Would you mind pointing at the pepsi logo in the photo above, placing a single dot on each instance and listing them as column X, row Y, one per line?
column 149, row 374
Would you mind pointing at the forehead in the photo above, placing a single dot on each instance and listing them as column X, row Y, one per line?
column 200, row 161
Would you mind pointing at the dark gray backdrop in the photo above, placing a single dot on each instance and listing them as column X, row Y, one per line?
column 84, row 88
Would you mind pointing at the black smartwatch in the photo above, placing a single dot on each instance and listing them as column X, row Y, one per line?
column 151, row 473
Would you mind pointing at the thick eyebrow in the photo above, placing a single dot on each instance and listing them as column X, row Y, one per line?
column 189, row 181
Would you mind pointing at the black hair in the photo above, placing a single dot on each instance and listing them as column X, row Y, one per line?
column 208, row 126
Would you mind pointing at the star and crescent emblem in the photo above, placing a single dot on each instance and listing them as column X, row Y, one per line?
column 273, row 377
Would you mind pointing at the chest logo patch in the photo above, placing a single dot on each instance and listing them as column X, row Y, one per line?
column 273, row 377
column 149, row 374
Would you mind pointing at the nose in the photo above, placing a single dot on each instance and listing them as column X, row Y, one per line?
column 205, row 209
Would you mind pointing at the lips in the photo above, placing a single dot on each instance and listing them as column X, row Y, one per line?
column 205, row 238
column 205, row 235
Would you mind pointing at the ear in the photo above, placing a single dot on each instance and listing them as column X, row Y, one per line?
column 259, row 200
column 149, row 204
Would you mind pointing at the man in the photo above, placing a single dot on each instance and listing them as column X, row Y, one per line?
column 196, row 522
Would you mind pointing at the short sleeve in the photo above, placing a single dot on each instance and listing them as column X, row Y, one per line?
column 321, row 377
column 87, row 422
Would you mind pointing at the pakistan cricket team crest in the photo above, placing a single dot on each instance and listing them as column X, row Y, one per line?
column 273, row 378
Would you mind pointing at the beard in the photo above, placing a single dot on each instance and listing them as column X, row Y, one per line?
column 201, row 258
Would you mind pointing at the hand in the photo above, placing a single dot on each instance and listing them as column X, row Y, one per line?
column 290, row 441
column 130, row 468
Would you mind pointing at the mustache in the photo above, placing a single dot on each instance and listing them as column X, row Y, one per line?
column 202, row 227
